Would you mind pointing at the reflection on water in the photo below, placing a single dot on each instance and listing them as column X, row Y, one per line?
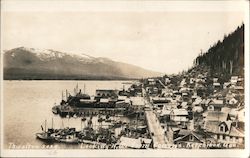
column 27, row 104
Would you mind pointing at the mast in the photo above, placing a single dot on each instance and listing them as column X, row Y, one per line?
column 52, row 123
column 66, row 94
column 62, row 95
column 45, row 125
column 81, row 125
column 84, row 89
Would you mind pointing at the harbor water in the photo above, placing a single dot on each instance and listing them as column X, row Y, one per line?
column 27, row 104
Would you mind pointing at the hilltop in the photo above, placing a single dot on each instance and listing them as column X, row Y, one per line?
column 30, row 63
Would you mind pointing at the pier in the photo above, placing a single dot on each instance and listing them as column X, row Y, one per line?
column 154, row 126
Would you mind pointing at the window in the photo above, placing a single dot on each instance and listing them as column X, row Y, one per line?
column 191, row 137
column 222, row 128
column 224, row 137
column 237, row 139
column 231, row 138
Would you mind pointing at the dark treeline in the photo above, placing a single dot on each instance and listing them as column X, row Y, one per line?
column 225, row 57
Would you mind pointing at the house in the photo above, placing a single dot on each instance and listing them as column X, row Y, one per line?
column 226, row 85
column 165, row 116
column 179, row 115
column 106, row 93
column 216, row 116
column 167, row 80
column 185, row 96
column 197, row 101
column 216, row 85
column 184, row 105
column 137, row 103
column 225, row 132
column 234, row 80
column 151, row 81
column 215, row 80
column 232, row 101
column 231, row 111
column 215, row 105
column 204, row 103
column 186, row 137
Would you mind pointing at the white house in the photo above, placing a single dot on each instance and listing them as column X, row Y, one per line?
column 179, row 115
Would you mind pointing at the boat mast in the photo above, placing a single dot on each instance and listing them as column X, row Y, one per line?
column 52, row 123
column 62, row 95
column 66, row 94
column 45, row 124
column 84, row 89
column 81, row 125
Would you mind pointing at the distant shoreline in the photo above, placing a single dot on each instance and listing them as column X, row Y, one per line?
column 70, row 79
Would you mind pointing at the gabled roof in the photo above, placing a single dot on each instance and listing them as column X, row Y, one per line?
column 137, row 101
column 213, row 127
column 179, row 112
column 216, row 116
column 236, row 132
column 197, row 101
column 217, row 102
column 184, row 133
column 165, row 112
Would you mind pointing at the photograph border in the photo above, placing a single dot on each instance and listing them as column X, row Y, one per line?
column 131, row 6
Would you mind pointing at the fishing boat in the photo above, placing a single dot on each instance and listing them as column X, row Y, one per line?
column 55, row 109
column 69, row 139
column 84, row 119
column 46, row 135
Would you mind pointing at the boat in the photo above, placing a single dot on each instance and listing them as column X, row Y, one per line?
column 69, row 139
column 55, row 109
column 46, row 135
column 108, row 120
column 84, row 119
column 100, row 119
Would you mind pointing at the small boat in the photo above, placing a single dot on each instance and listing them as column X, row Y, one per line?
column 100, row 119
column 108, row 120
column 69, row 139
column 55, row 109
column 46, row 135
column 75, row 116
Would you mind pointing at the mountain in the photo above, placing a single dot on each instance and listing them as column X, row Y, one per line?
column 225, row 58
column 29, row 63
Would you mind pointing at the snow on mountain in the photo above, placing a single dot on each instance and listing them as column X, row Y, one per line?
column 50, row 54
column 31, row 63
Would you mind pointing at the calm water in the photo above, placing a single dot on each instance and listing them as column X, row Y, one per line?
column 27, row 104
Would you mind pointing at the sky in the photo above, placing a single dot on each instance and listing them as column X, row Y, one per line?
column 159, row 40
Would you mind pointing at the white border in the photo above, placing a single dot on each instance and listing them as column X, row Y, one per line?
column 131, row 6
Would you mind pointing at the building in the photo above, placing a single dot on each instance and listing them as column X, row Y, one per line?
column 179, row 115
column 106, row 93
column 225, row 132
column 215, row 105
column 184, row 137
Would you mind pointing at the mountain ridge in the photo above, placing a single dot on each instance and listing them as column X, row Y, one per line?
column 29, row 63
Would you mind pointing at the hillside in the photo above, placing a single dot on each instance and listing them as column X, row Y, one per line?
column 29, row 63
column 226, row 57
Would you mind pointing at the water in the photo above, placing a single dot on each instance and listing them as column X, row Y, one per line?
column 27, row 104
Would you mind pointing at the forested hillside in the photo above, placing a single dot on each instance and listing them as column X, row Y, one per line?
column 225, row 57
